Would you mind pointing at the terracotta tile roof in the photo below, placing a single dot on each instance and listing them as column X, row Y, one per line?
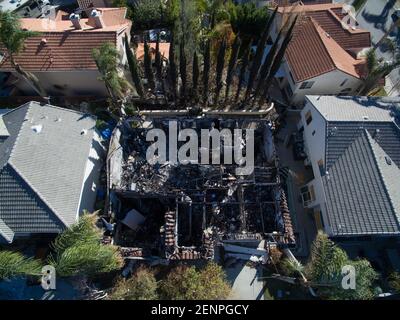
column 312, row 52
column 164, row 50
column 286, row 3
column 61, row 47
column 62, row 51
column 329, row 17
column 113, row 18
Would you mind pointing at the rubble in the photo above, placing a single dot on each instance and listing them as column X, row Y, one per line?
column 189, row 209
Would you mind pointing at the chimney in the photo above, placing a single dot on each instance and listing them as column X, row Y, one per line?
column 98, row 20
column 75, row 19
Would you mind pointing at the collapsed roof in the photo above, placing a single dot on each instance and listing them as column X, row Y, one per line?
column 188, row 208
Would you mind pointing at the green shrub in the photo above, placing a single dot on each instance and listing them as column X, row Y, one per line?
column 141, row 286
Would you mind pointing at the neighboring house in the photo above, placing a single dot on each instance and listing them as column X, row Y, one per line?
column 353, row 146
column 322, row 58
column 28, row 8
column 283, row 3
column 61, row 56
column 164, row 50
column 50, row 160
column 87, row 4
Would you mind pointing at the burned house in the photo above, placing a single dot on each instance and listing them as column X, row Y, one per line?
column 182, row 211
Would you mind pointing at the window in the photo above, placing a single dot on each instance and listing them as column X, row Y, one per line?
column 307, row 84
column 308, row 117
column 321, row 167
column 307, row 195
column 343, row 83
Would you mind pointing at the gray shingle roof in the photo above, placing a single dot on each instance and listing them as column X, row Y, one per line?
column 44, row 169
column 349, row 108
column 357, row 197
column 361, row 188
column 341, row 134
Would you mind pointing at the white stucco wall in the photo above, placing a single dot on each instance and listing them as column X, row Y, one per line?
column 92, row 174
column 326, row 84
column 315, row 148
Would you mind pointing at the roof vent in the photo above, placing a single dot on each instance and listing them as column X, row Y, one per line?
column 327, row 35
column 83, row 132
column 365, row 118
column 37, row 128
column 388, row 160
column 58, row 119
column 375, row 135
column 43, row 41
column 75, row 19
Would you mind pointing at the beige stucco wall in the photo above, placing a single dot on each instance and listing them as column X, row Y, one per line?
column 73, row 83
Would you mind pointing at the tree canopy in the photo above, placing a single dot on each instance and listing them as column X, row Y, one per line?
column 325, row 271
column 14, row 264
column 188, row 283
column 78, row 251
column 141, row 286
column 248, row 20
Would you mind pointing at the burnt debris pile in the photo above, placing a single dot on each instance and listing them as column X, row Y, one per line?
column 182, row 211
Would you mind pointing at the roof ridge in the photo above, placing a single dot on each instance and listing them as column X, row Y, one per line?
column 374, row 144
column 316, row 26
column 62, row 109
column 27, row 104
column 339, row 47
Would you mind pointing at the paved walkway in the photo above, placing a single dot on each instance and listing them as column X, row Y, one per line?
column 245, row 282
column 303, row 222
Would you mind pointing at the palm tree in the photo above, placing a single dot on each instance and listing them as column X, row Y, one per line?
column 15, row 264
column 376, row 71
column 13, row 37
column 78, row 250
column 107, row 58
column 133, row 67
